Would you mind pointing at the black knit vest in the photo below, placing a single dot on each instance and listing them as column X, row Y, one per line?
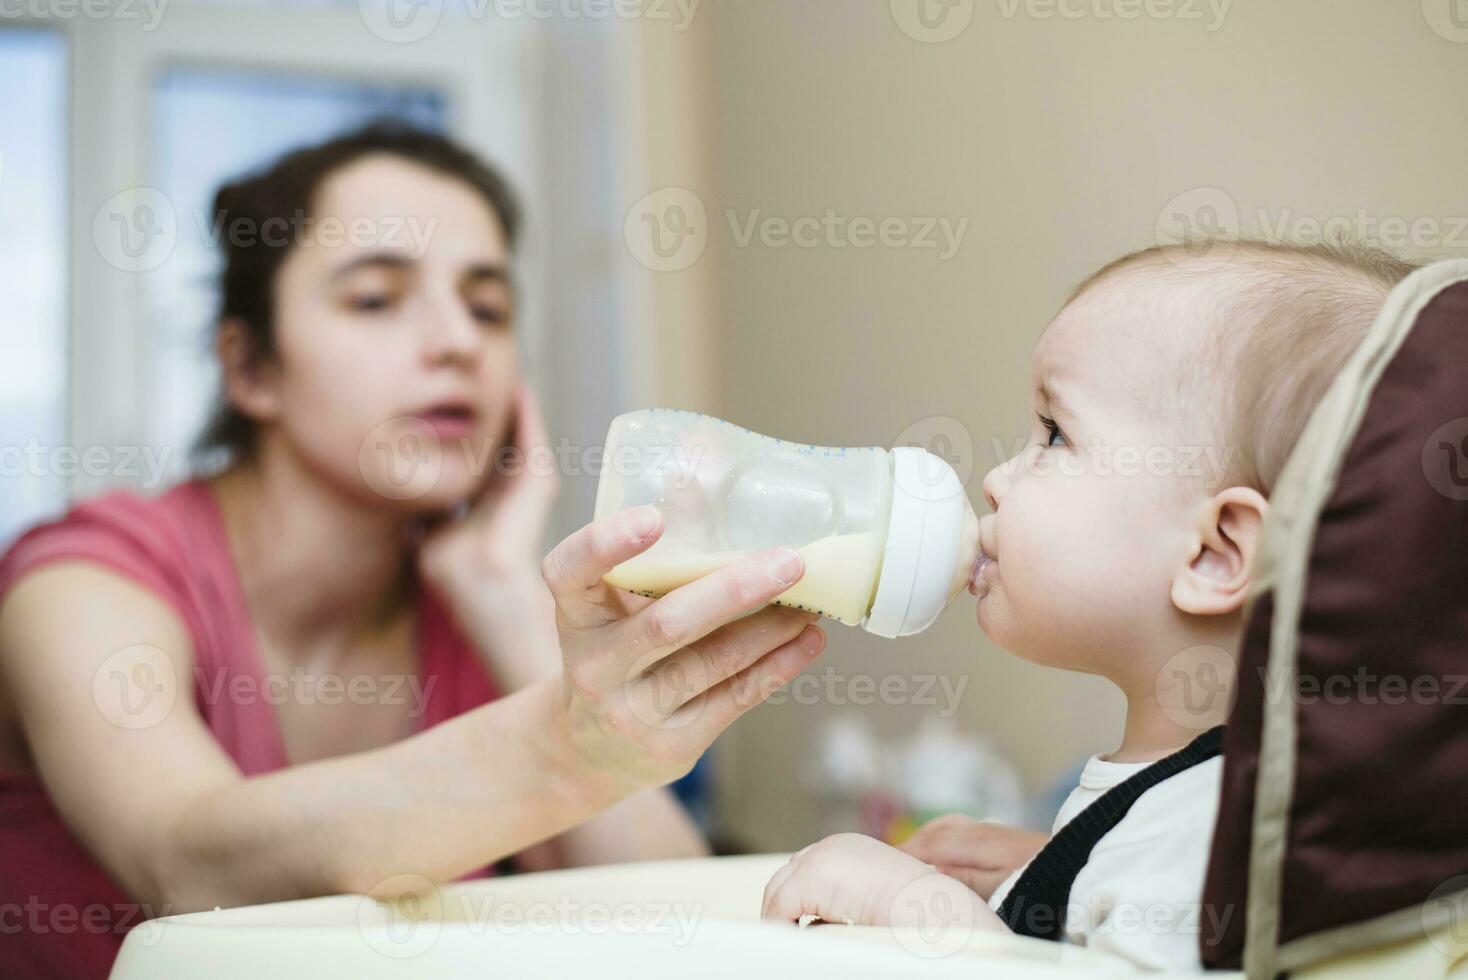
column 1035, row 906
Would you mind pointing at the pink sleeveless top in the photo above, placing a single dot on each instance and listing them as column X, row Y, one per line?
column 72, row 917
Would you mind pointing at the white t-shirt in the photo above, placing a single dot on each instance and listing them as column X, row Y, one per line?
column 1140, row 895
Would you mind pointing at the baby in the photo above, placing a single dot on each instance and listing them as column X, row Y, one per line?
column 1168, row 393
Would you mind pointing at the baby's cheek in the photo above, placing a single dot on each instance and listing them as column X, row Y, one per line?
column 1040, row 558
column 1062, row 532
column 1065, row 560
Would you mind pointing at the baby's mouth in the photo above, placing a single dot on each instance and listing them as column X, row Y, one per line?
column 979, row 579
column 978, row 583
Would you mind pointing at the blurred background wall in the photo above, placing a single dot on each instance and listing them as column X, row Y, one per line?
column 1063, row 138
column 838, row 221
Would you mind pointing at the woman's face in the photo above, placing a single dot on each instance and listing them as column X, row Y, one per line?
column 396, row 361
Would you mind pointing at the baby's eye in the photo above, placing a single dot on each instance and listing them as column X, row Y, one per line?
column 1053, row 434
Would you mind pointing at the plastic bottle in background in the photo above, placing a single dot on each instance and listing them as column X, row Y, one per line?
column 888, row 536
column 946, row 770
column 889, row 789
column 846, row 771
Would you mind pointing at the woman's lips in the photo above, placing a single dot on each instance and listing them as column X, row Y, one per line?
column 450, row 421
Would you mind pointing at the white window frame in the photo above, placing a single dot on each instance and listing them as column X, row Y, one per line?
column 484, row 75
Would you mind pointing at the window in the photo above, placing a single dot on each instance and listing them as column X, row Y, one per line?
column 34, row 460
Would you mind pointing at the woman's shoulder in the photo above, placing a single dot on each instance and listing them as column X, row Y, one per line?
column 162, row 542
column 123, row 512
column 181, row 505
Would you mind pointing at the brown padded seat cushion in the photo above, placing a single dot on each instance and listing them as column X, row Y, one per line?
column 1376, row 816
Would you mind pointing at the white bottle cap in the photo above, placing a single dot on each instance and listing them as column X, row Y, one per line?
column 924, row 542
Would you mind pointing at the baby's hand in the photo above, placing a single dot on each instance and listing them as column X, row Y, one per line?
column 856, row 879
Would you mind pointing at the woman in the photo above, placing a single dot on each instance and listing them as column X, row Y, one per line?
column 340, row 663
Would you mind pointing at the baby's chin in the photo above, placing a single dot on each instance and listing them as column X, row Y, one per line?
column 991, row 616
column 1016, row 636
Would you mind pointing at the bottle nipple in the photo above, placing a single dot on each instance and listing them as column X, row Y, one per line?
column 968, row 549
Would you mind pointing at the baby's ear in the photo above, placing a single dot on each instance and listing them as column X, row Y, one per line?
column 1221, row 550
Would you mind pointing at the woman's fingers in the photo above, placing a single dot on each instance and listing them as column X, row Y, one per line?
column 573, row 570
column 677, row 679
column 522, row 499
column 613, row 651
column 679, row 619
column 509, row 514
column 703, row 605
column 710, row 713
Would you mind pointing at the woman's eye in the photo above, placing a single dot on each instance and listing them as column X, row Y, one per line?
column 370, row 303
column 492, row 315
column 1053, row 435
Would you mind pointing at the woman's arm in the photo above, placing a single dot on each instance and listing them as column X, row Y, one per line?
column 523, row 650
column 134, row 769
column 146, row 788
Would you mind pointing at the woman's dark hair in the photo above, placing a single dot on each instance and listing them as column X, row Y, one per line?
column 282, row 194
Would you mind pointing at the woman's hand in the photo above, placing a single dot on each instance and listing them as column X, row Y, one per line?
column 858, row 880
column 978, row 853
column 649, row 684
column 486, row 565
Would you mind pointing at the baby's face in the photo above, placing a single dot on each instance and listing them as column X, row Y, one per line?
column 1091, row 518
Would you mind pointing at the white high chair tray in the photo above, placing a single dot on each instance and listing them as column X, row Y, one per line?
column 694, row 918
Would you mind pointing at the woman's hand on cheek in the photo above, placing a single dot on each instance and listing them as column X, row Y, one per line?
column 486, row 565
column 852, row 878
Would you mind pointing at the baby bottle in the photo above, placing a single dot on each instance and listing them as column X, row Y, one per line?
column 888, row 536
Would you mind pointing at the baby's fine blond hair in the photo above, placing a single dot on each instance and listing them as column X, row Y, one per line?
column 1285, row 317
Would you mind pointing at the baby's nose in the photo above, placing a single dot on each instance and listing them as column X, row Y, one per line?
column 992, row 481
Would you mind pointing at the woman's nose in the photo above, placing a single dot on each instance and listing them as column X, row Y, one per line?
column 450, row 334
